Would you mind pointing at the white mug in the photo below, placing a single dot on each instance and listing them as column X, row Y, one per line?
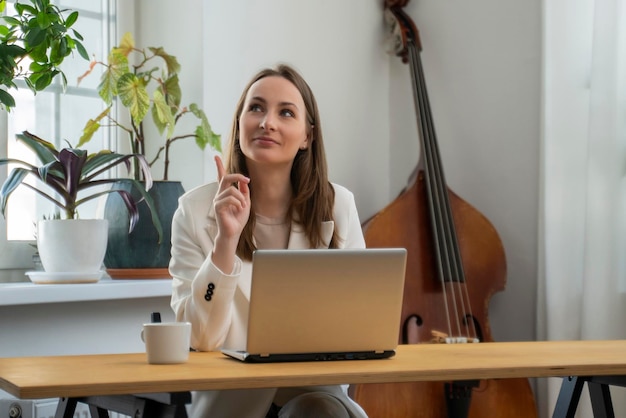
column 167, row 342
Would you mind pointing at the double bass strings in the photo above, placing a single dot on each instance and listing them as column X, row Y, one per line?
column 449, row 263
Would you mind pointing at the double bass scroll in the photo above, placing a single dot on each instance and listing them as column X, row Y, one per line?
column 455, row 263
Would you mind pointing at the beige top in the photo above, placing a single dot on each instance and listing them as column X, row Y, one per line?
column 271, row 233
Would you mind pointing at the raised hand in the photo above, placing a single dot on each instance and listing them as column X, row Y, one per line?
column 232, row 202
column 232, row 210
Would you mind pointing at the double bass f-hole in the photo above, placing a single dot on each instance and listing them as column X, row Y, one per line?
column 455, row 263
column 414, row 320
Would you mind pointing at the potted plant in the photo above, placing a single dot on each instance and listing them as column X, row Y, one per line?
column 38, row 35
column 144, row 83
column 70, row 177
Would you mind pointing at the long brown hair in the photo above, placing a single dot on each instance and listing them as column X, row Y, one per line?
column 313, row 195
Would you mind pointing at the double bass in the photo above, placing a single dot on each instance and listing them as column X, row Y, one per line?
column 455, row 263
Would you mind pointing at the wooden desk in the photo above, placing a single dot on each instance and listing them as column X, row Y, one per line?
column 123, row 374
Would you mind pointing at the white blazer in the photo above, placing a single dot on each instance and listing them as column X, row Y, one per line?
column 217, row 304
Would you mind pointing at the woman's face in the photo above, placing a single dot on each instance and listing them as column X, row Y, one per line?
column 272, row 124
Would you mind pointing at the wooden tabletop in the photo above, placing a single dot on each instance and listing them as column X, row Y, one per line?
column 88, row 375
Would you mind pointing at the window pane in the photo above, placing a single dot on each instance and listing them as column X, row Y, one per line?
column 90, row 26
column 24, row 205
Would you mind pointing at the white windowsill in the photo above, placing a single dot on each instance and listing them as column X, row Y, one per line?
column 27, row 293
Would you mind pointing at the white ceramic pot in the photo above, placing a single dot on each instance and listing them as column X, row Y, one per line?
column 72, row 245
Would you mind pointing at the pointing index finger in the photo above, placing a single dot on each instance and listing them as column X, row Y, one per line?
column 220, row 168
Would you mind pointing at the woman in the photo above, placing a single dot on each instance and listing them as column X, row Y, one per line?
column 273, row 192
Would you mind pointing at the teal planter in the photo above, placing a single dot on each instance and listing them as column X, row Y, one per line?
column 140, row 249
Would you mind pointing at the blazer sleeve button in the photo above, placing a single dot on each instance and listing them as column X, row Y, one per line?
column 207, row 297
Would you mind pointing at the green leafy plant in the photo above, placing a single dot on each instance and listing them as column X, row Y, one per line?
column 149, row 86
column 69, row 176
column 33, row 44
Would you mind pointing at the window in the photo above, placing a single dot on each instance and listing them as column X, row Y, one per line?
column 55, row 116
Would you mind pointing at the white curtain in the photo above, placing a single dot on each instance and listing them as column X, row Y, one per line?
column 582, row 240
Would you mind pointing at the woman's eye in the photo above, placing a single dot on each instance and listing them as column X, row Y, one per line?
column 287, row 112
column 255, row 108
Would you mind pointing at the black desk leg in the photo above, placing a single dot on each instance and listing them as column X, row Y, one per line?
column 569, row 395
column 601, row 402
column 66, row 408
column 96, row 412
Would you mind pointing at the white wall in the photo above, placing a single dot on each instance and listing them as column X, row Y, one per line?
column 482, row 66
column 482, row 61
column 338, row 49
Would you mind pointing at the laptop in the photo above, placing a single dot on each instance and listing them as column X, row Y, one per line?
column 323, row 304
